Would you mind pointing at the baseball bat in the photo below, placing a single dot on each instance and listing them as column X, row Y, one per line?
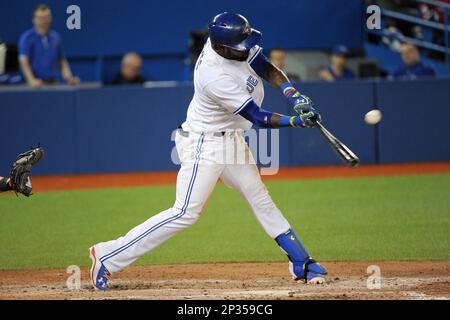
column 341, row 149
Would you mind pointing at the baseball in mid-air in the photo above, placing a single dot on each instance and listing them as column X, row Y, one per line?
column 373, row 117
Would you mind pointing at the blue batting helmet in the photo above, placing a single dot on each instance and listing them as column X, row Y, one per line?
column 233, row 30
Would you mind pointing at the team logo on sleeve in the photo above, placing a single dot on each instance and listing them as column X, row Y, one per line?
column 251, row 84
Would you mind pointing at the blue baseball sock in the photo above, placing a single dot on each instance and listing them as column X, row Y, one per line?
column 302, row 266
column 290, row 244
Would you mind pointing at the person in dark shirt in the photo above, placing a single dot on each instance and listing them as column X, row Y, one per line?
column 9, row 65
column 337, row 70
column 412, row 67
column 41, row 54
column 130, row 72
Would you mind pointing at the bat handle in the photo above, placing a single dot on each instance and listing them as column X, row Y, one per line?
column 319, row 124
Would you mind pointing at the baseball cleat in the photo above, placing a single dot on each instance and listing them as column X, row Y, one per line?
column 310, row 272
column 99, row 274
column 314, row 272
column 316, row 279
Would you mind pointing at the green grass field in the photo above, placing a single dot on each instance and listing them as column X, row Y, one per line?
column 382, row 218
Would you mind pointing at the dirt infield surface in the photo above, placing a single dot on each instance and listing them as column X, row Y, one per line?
column 347, row 280
column 118, row 180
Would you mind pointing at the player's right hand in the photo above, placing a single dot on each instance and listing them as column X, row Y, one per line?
column 310, row 117
column 306, row 120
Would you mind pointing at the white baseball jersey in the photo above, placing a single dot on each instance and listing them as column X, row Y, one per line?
column 222, row 88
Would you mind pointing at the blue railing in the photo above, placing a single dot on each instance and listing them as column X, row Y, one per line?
column 445, row 27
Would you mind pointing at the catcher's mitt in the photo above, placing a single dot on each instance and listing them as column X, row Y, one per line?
column 21, row 169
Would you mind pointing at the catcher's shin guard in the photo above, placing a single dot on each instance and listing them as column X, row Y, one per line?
column 301, row 265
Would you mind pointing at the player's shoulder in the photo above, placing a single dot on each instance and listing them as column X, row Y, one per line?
column 254, row 52
column 209, row 71
column 211, row 68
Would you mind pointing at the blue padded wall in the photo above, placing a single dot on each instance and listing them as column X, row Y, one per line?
column 121, row 129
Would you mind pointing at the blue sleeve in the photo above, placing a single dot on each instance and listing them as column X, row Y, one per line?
column 261, row 117
column 259, row 62
column 24, row 45
column 350, row 74
column 398, row 72
column 59, row 48
column 430, row 71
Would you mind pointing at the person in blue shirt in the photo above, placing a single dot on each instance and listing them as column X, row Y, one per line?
column 41, row 55
column 412, row 67
column 337, row 70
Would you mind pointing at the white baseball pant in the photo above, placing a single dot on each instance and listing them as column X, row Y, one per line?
column 204, row 159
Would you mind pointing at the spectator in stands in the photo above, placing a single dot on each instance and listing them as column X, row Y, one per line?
column 41, row 54
column 435, row 13
column 338, row 68
column 130, row 72
column 278, row 57
column 412, row 67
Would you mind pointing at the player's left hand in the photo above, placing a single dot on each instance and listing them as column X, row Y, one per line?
column 304, row 107
column 300, row 101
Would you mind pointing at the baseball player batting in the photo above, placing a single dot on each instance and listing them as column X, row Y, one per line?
column 227, row 99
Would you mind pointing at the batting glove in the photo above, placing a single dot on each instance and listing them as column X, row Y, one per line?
column 304, row 107
column 308, row 120
column 310, row 117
